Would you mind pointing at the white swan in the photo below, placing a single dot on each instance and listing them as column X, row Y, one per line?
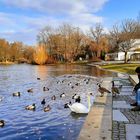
column 80, row 108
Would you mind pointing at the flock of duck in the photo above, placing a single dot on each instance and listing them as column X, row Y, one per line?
column 76, row 107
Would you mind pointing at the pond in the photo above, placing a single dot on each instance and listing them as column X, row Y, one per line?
column 57, row 124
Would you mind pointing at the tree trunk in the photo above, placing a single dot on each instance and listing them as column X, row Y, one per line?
column 125, row 57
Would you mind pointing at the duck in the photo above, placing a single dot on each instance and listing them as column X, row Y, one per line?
column 62, row 95
column 85, row 79
column 69, row 84
column 77, row 84
column 1, row 98
column 72, row 87
column 38, row 78
column 66, row 105
column 78, row 99
column 30, row 90
column 45, row 89
column 47, row 108
column 31, row 107
column 75, row 96
column 43, row 102
column 58, row 82
column 53, row 97
column 80, row 108
column 102, row 90
column 2, row 123
column 91, row 93
column 16, row 94
column 115, row 90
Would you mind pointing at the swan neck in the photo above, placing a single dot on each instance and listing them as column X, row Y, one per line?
column 89, row 103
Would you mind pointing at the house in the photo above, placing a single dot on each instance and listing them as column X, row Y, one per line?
column 132, row 54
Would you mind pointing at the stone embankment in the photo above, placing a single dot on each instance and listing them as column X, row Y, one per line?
column 111, row 117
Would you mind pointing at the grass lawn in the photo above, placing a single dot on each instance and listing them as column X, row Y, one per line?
column 125, row 68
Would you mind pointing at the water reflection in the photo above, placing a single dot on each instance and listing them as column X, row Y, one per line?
column 41, row 71
column 77, row 116
column 56, row 70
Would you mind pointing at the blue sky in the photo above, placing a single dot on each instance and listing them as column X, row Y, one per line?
column 21, row 20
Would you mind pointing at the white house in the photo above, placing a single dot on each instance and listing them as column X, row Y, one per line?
column 136, row 45
column 120, row 55
column 131, row 54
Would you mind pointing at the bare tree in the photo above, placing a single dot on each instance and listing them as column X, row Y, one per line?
column 45, row 37
column 97, row 33
column 63, row 42
column 65, row 31
column 97, row 36
column 72, row 39
column 129, row 28
column 76, row 42
column 122, row 37
column 16, row 51
column 28, row 54
column 114, row 37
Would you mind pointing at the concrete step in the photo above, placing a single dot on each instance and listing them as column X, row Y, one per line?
column 126, row 93
column 126, row 89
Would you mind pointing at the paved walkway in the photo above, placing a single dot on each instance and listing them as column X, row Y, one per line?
column 112, row 62
column 98, row 124
column 111, row 118
column 126, row 123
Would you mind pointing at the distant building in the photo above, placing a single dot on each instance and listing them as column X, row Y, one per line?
column 132, row 54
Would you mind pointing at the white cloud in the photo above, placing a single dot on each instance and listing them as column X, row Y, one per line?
column 80, row 13
column 56, row 6
column 27, row 36
column 5, row 19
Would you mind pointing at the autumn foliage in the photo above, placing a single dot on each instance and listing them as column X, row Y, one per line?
column 40, row 55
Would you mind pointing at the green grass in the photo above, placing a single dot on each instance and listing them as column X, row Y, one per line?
column 125, row 68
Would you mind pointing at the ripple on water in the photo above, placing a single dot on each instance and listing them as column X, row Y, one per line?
column 58, row 123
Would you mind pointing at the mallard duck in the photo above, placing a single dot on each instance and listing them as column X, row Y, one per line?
column 102, row 90
column 62, row 95
column 47, row 108
column 30, row 90
column 77, row 84
column 45, row 89
column 2, row 123
column 31, row 107
column 58, row 82
column 43, row 102
column 66, row 105
column 75, row 96
column 78, row 99
column 16, row 94
column 69, row 84
column 53, row 97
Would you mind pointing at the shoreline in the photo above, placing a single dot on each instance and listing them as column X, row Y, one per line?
column 7, row 63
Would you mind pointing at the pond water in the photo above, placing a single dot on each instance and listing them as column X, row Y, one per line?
column 57, row 124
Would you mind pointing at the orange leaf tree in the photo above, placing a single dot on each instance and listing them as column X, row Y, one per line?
column 40, row 55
